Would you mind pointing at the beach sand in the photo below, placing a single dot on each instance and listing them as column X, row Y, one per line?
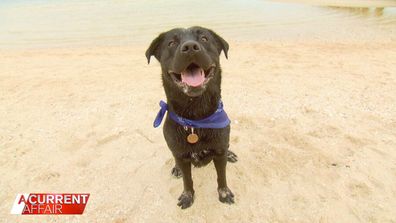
column 313, row 124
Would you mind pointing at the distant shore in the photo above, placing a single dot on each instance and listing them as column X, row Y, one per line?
column 49, row 24
column 346, row 3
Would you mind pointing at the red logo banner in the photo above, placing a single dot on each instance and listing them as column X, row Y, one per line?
column 49, row 204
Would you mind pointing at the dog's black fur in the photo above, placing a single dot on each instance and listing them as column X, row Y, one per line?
column 176, row 50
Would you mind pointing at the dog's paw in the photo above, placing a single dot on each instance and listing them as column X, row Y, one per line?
column 186, row 199
column 231, row 157
column 225, row 195
column 176, row 172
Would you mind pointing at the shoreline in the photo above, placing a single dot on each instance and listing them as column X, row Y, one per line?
column 345, row 3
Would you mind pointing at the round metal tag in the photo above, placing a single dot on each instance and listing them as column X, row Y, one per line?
column 192, row 138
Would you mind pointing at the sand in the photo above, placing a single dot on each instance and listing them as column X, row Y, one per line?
column 313, row 124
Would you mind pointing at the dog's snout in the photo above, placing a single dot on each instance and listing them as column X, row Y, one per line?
column 190, row 47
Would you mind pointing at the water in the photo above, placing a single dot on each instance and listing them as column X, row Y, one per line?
column 67, row 23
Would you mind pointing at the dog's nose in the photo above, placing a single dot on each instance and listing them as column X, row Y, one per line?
column 190, row 47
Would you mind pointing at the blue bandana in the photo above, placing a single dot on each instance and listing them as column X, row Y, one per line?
column 217, row 120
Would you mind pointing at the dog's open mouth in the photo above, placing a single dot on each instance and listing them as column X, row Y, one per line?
column 193, row 76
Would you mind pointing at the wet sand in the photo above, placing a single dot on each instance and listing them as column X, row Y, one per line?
column 313, row 123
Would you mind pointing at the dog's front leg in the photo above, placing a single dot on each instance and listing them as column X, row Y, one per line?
column 225, row 194
column 186, row 199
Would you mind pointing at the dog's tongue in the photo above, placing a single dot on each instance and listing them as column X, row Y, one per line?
column 193, row 77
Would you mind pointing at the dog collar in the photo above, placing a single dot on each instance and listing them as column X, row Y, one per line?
column 217, row 120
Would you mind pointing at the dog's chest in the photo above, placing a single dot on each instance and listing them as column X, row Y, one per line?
column 201, row 152
column 200, row 158
column 211, row 142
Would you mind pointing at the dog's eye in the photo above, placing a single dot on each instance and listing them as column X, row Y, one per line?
column 204, row 39
column 171, row 43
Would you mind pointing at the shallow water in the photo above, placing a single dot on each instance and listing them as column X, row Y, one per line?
column 61, row 23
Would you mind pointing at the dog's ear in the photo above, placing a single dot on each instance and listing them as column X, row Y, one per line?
column 154, row 48
column 220, row 43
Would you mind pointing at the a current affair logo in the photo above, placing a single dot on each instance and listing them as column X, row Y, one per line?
column 31, row 204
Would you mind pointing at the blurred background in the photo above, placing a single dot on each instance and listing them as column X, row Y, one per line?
column 60, row 23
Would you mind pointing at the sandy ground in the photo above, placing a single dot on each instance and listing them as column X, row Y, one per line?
column 313, row 124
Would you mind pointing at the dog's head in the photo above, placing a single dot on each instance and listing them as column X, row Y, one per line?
column 189, row 58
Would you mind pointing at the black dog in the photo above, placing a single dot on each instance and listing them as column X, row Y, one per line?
column 191, row 77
